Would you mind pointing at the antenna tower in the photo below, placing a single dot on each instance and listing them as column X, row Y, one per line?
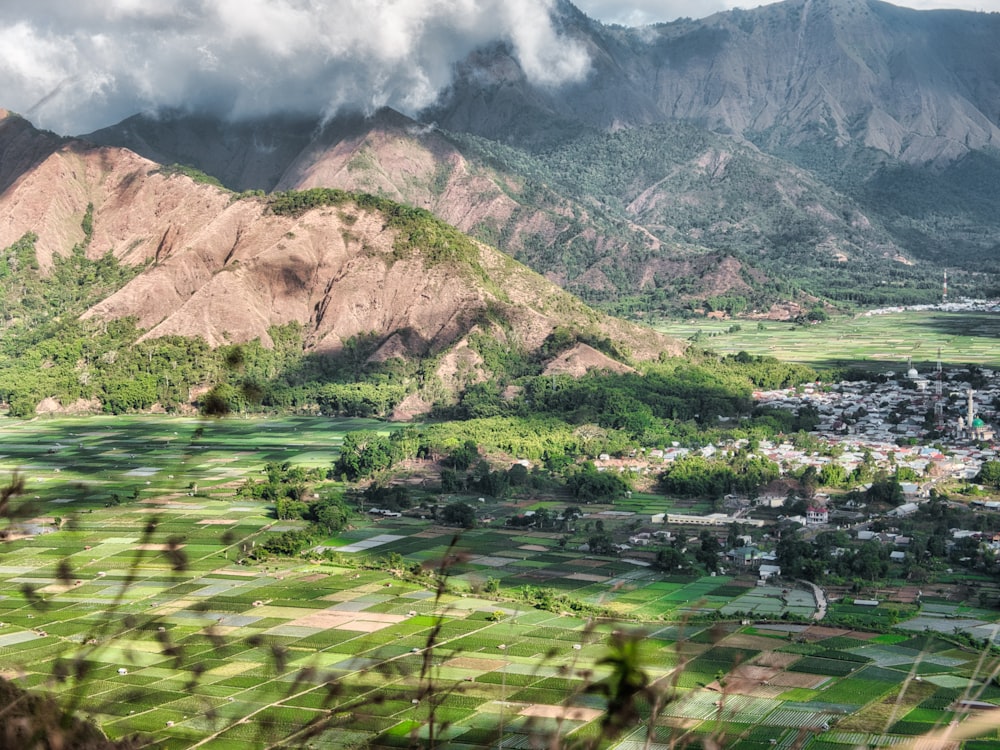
column 938, row 401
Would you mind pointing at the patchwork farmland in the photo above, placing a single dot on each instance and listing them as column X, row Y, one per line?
column 146, row 616
column 876, row 342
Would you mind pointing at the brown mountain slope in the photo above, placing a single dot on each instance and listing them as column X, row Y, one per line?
column 228, row 269
column 139, row 213
column 394, row 156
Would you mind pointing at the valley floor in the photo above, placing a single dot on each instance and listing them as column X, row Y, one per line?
column 183, row 642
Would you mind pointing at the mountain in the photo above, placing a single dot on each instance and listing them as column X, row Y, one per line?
column 670, row 213
column 342, row 267
column 806, row 147
column 919, row 85
column 243, row 155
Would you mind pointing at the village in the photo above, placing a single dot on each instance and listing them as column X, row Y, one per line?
column 928, row 428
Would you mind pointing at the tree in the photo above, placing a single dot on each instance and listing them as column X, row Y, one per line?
column 808, row 480
column 708, row 553
column 832, row 475
column 330, row 514
column 496, row 484
column 733, row 537
column 364, row 453
column 671, row 560
column 601, row 543
column 459, row 514
column 286, row 509
column 886, row 490
column 287, row 543
column 463, row 457
column 518, row 476
column 590, row 485
column 989, row 474
column 450, row 481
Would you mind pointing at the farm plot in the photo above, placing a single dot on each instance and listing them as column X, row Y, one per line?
column 771, row 602
column 878, row 341
column 180, row 641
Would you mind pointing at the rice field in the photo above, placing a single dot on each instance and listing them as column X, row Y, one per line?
column 156, row 628
column 879, row 342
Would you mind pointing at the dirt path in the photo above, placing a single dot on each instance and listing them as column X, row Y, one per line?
column 820, row 599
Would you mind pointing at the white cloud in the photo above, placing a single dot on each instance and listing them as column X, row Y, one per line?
column 74, row 67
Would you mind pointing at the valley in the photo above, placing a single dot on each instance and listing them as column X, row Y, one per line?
column 499, row 378
column 399, row 629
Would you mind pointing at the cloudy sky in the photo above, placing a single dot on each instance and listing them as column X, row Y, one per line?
column 77, row 66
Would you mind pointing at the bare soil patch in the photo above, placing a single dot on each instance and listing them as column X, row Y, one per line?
column 469, row 662
column 365, row 622
column 581, row 359
column 799, row 680
column 572, row 713
column 431, row 534
column 819, row 633
column 775, row 659
column 750, row 680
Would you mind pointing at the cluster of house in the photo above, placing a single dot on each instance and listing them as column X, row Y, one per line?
column 880, row 421
column 893, row 420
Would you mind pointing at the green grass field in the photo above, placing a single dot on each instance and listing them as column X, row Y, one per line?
column 210, row 653
column 879, row 342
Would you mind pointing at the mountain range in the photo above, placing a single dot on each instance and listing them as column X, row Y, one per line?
column 784, row 153
column 753, row 162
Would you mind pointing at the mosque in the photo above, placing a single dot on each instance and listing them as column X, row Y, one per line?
column 972, row 427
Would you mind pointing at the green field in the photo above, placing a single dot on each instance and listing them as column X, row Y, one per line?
column 879, row 342
column 155, row 628
column 78, row 463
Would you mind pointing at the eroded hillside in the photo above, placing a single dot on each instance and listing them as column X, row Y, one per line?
column 229, row 268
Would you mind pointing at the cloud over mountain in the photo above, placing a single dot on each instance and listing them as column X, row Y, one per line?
column 74, row 67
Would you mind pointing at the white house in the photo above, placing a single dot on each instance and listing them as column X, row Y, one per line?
column 817, row 515
column 769, row 571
